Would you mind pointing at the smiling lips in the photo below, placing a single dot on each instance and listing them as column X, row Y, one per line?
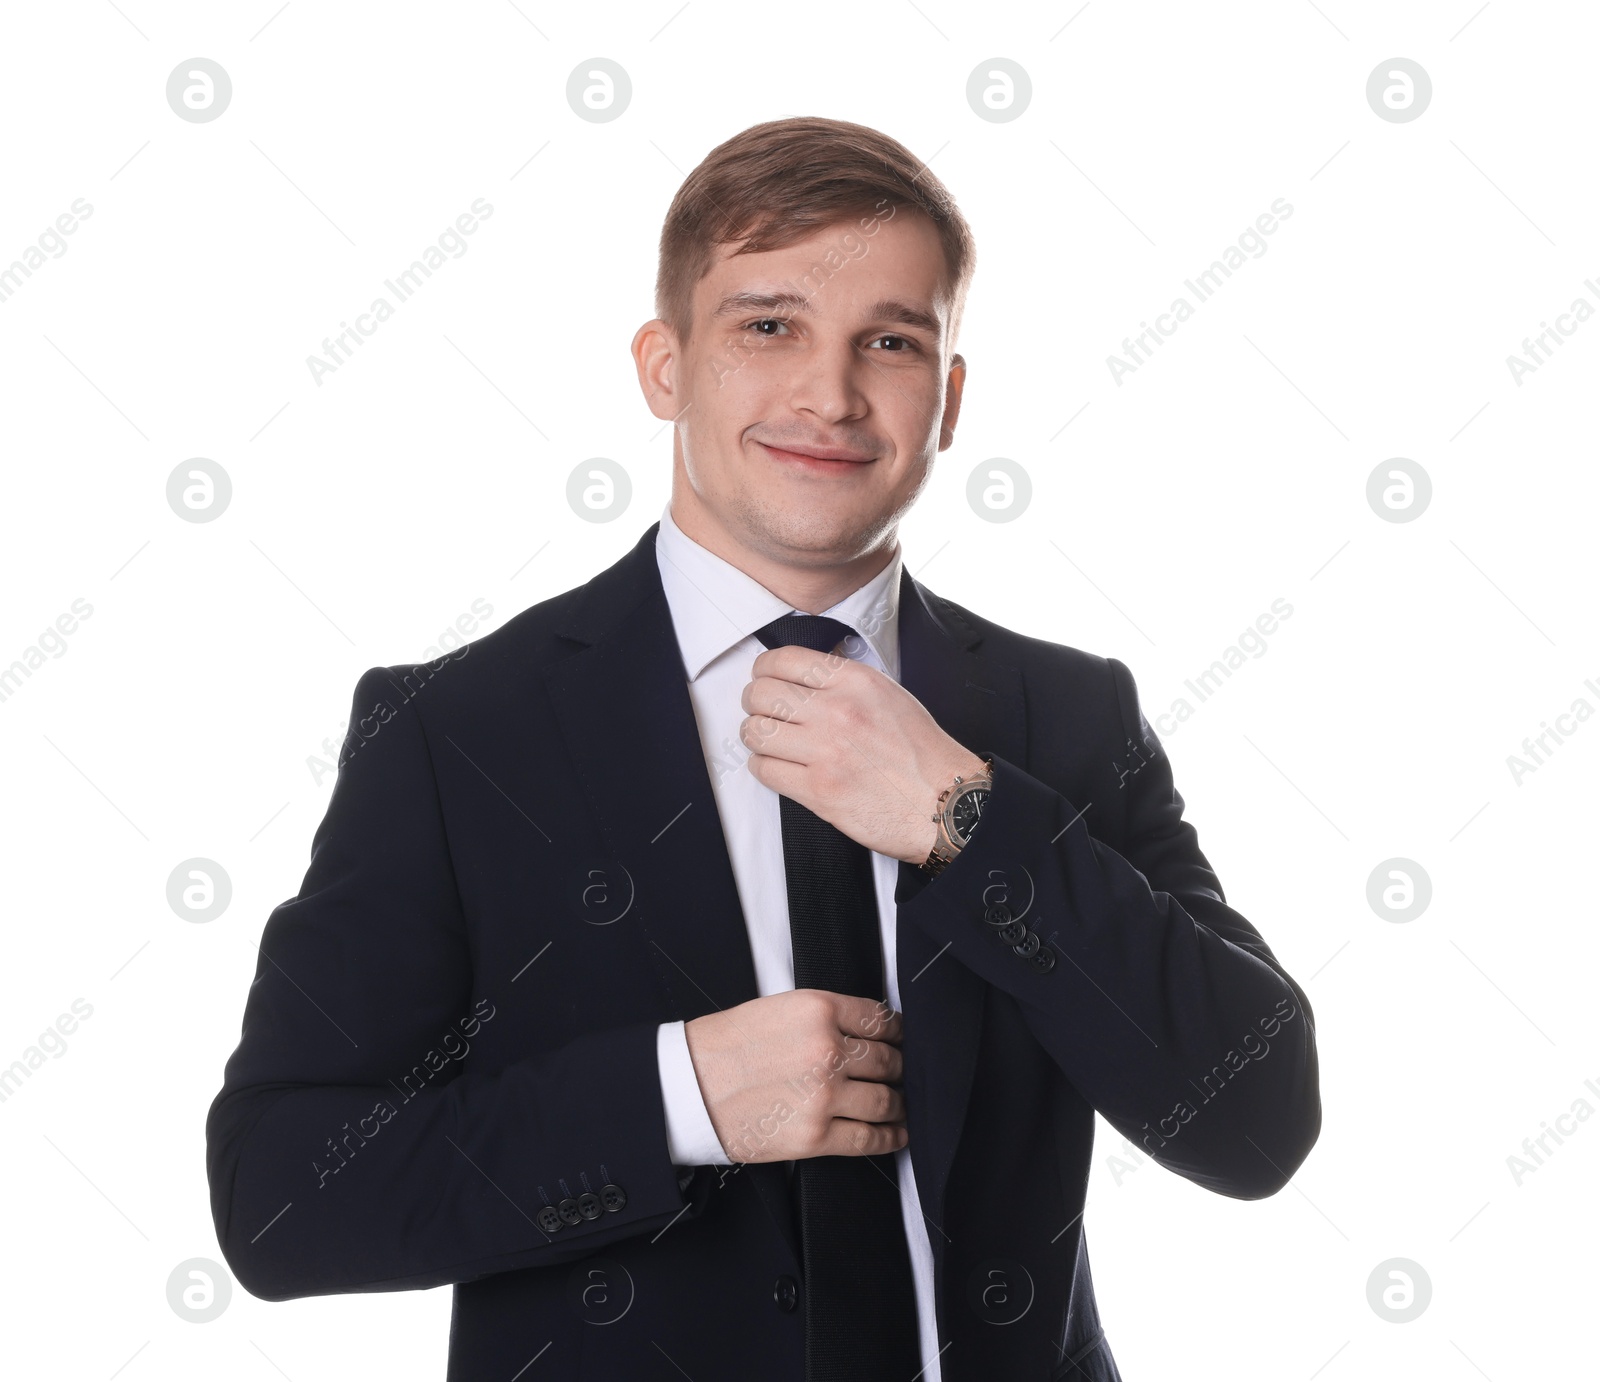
column 823, row 458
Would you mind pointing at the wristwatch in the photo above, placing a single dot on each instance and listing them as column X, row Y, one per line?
column 957, row 812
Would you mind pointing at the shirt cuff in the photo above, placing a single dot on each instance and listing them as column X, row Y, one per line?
column 691, row 1138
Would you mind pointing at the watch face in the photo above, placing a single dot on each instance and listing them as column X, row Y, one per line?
column 966, row 810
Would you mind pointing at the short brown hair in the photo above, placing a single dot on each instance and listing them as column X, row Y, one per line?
column 780, row 181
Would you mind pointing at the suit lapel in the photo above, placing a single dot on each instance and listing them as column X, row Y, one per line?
column 624, row 707
column 978, row 701
column 629, row 723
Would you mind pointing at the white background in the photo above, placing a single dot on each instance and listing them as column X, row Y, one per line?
column 430, row 471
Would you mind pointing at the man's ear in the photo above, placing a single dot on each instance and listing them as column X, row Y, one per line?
column 955, row 382
column 655, row 348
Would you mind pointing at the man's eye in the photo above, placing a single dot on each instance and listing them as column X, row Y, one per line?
column 889, row 336
column 766, row 321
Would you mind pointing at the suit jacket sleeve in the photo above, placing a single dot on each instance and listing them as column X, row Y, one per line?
column 332, row 1171
column 1165, row 1007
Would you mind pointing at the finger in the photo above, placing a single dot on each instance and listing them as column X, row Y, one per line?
column 867, row 1102
column 786, row 778
column 881, row 1062
column 778, row 738
column 783, row 700
column 877, row 1061
column 771, row 696
column 797, row 664
column 846, row 1137
column 868, row 1017
column 798, row 738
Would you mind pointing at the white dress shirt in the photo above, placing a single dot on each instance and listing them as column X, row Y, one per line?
column 716, row 609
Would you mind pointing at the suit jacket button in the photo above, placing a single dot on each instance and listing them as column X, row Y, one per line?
column 568, row 1210
column 1013, row 931
column 612, row 1198
column 1044, row 960
column 1028, row 945
column 997, row 914
column 549, row 1220
column 589, row 1206
column 785, row 1291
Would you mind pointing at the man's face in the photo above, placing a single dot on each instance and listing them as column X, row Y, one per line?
column 835, row 344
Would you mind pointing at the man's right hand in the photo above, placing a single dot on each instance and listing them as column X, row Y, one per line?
column 801, row 1074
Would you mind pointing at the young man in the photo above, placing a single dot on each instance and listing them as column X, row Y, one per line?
column 717, row 972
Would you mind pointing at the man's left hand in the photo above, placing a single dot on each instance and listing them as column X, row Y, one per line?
column 852, row 745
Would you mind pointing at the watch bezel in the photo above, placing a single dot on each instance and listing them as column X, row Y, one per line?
column 981, row 781
column 967, row 789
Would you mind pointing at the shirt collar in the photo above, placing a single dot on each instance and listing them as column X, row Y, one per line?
column 715, row 605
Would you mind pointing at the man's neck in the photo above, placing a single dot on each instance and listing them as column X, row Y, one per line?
column 809, row 589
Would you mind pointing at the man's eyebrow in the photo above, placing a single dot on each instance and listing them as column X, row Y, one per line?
column 736, row 304
column 791, row 303
column 892, row 309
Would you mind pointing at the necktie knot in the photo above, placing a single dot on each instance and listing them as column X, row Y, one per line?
column 815, row 631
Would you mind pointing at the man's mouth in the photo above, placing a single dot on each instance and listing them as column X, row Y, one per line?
column 824, row 460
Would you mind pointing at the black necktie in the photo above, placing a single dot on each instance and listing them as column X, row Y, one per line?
column 860, row 1299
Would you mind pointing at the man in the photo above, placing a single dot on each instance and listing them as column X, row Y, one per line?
column 715, row 971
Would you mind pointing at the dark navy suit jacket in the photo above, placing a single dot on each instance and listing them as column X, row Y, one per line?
column 447, row 1069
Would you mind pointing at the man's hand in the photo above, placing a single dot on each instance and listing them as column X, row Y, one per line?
column 852, row 745
column 800, row 1074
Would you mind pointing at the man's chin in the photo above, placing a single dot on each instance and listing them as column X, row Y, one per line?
column 807, row 539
